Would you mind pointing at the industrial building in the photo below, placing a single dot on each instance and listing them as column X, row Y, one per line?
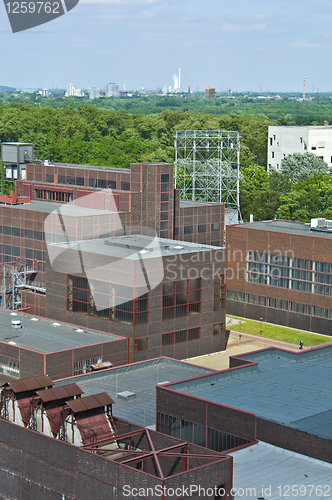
column 271, row 395
column 31, row 346
column 210, row 92
column 286, row 140
column 58, row 443
column 281, row 272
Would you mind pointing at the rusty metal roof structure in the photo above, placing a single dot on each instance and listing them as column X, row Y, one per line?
column 90, row 402
column 30, row 384
column 58, row 393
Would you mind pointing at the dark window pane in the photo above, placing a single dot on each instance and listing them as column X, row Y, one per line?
column 16, row 231
column 215, row 227
column 202, row 228
column 80, row 181
column 102, row 183
column 193, row 333
column 7, row 230
column 93, row 182
column 111, row 184
column 180, row 336
column 164, row 187
column 164, row 177
column 125, row 186
column 168, row 338
column 188, row 229
column 141, row 344
column 49, row 177
column 164, row 196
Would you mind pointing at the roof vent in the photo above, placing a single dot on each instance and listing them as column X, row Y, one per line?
column 16, row 323
column 126, row 395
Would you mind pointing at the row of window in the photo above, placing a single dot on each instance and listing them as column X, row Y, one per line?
column 195, row 433
column 201, row 228
column 297, row 274
column 44, row 194
column 93, row 182
column 285, row 305
column 23, row 233
column 180, row 336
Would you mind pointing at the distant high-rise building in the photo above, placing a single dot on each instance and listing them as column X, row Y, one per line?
column 177, row 82
column 94, row 93
column 210, row 92
column 73, row 91
column 112, row 90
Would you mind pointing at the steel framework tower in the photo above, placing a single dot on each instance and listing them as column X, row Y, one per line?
column 207, row 166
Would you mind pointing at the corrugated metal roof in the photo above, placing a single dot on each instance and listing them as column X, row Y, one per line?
column 90, row 402
column 62, row 392
column 31, row 383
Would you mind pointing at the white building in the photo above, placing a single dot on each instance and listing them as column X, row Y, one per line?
column 112, row 90
column 286, row 140
column 73, row 91
column 94, row 93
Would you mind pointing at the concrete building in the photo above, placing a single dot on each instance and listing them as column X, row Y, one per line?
column 94, row 93
column 112, row 90
column 210, row 92
column 286, row 140
column 73, row 91
column 281, row 272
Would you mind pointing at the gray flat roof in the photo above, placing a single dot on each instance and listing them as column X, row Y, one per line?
column 288, row 388
column 91, row 167
column 140, row 378
column 47, row 336
column 134, row 247
column 193, row 203
column 64, row 208
column 289, row 227
column 266, row 466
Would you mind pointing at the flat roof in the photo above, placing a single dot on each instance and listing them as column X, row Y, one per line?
column 90, row 167
column 193, row 203
column 135, row 247
column 47, row 336
column 140, row 378
column 288, row 388
column 266, row 466
column 288, row 227
column 64, row 208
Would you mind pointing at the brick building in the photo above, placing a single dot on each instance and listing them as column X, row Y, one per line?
column 281, row 272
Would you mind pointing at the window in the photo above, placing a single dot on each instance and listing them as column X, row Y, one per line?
column 102, row 183
column 164, row 197
column 271, row 141
column 321, row 144
column 181, row 298
column 272, row 154
column 219, row 293
column 141, row 344
column 9, row 366
column 299, row 308
column 164, row 178
column 202, row 228
column 80, row 181
column 7, row 230
column 259, row 300
column 218, row 329
column 16, row 231
column 80, row 367
column 49, row 177
column 93, row 182
column 107, row 301
column 238, row 296
column 62, row 179
column 215, row 226
column 125, row 186
column 111, row 184
column 313, row 148
column 278, row 303
column 188, row 229
column 301, row 140
column 180, row 336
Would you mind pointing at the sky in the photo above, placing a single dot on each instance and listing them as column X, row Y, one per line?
column 244, row 45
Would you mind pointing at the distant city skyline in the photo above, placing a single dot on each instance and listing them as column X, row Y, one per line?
column 259, row 46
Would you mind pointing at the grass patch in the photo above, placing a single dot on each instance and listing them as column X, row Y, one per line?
column 279, row 332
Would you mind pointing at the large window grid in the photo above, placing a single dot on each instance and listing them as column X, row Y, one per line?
column 293, row 273
column 181, row 298
column 80, row 367
column 107, row 301
column 42, row 194
column 9, row 366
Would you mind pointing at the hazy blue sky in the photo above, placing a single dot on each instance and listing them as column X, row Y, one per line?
column 242, row 45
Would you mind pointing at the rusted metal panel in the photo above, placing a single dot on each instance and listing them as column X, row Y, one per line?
column 94, row 428
column 55, row 418
column 24, row 406
column 90, row 402
column 61, row 392
column 30, row 384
